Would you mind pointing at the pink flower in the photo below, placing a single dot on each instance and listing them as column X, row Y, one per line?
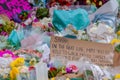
column 74, row 68
column 4, row 33
column 5, row 53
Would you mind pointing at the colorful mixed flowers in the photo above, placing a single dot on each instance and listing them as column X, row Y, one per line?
column 6, row 26
column 69, row 69
column 16, row 66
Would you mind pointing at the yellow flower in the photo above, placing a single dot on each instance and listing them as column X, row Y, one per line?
column 117, row 76
column 12, row 64
column 5, row 76
column 100, row 3
column 32, row 62
column 67, row 79
column 18, row 62
column 114, row 41
column 13, row 73
column 53, row 79
column 14, row 67
column 88, row 2
column 118, row 33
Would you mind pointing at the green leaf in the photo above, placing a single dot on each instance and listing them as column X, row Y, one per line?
column 117, row 48
column 42, row 12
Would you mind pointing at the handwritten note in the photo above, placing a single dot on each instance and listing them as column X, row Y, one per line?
column 75, row 49
column 12, row 7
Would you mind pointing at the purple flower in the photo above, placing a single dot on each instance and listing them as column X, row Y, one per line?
column 50, row 65
column 50, row 25
column 36, row 20
column 17, row 19
column 68, row 70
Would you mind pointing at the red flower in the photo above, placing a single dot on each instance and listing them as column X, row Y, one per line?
column 64, row 2
column 61, row 2
column 73, row 67
column 53, row 69
column 1, row 25
column 31, row 68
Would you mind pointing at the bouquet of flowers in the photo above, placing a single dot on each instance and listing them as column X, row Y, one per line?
column 6, row 26
column 18, row 65
column 45, row 25
column 6, row 57
column 48, row 26
column 5, row 68
column 4, row 44
column 97, row 3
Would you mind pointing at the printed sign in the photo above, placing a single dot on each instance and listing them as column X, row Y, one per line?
column 12, row 7
column 100, row 54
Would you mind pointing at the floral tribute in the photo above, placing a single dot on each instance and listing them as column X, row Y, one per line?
column 13, row 7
